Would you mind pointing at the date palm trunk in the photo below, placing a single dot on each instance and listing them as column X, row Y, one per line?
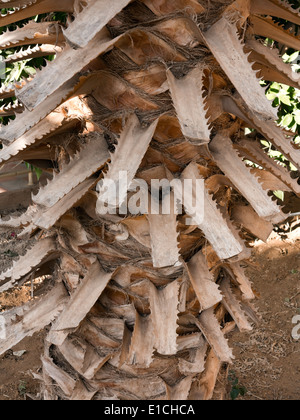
column 138, row 306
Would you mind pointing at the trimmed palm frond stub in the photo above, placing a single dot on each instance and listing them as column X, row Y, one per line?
column 138, row 304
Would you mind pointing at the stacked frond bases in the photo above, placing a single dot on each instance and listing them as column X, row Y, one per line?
column 138, row 304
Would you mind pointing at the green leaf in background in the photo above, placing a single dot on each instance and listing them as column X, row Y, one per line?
column 37, row 171
column 284, row 99
column 235, row 393
column 279, row 194
column 288, row 120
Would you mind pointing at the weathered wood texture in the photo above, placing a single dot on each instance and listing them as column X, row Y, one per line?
column 138, row 306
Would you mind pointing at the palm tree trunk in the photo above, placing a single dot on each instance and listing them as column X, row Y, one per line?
column 138, row 306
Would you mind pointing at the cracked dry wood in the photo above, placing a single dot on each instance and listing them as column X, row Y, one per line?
column 132, row 146
column 33, row 317
column 122, row 311
column 235, row 169
column 266, row 27
column 85, row 163
column 82, row 301
column 208, row 324
column 32, row 33
column 208, row 293
column 233, row 307
column 61, row 378
column 27, row 121
column 180, row 391
column 238, row 274
column 140, row 352
column 26, row 9
column 164, row 7
column 164, row 312
column 91, row 20
column 228, row 50
column 62, row 69
column 188, row 97
column 272, row 58
column 163, row 229
column 221, row 236
column 249, row 220
column 83, row 357
column 43, row 251
column 196, row 362
column 280, row 9
column 254, row 152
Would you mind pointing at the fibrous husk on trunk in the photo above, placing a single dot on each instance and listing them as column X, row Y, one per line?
column 137, row 305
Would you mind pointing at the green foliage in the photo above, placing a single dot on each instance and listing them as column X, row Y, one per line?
column 22, row 388
column 287, row 99
column 236, row 389
column 16, row 71
column 32, row 168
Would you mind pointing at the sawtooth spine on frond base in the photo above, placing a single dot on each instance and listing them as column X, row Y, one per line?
column 85, row 163
column 33, row 317
column 276, row 136
column 132, row 146
column 27, row 9
column 154, row 331
column 39, row 253
column 230, row 163
column 222, row 236
column 233, row 306
column 254, row 151
column 229, row 51
column 19, row 221
column 39, row 131
column 11, row 109
column 273, row 58
column 7, row 92
column 277, row 8
column 46, row 218
column 266, row 27
column 91, row 20
column 33, row 52
column 33, row 33
column 187, row 94
column 270, row 130
column 66, row 65
column 27, row 121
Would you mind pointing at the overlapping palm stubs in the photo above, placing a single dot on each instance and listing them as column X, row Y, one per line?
column 156, row 88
